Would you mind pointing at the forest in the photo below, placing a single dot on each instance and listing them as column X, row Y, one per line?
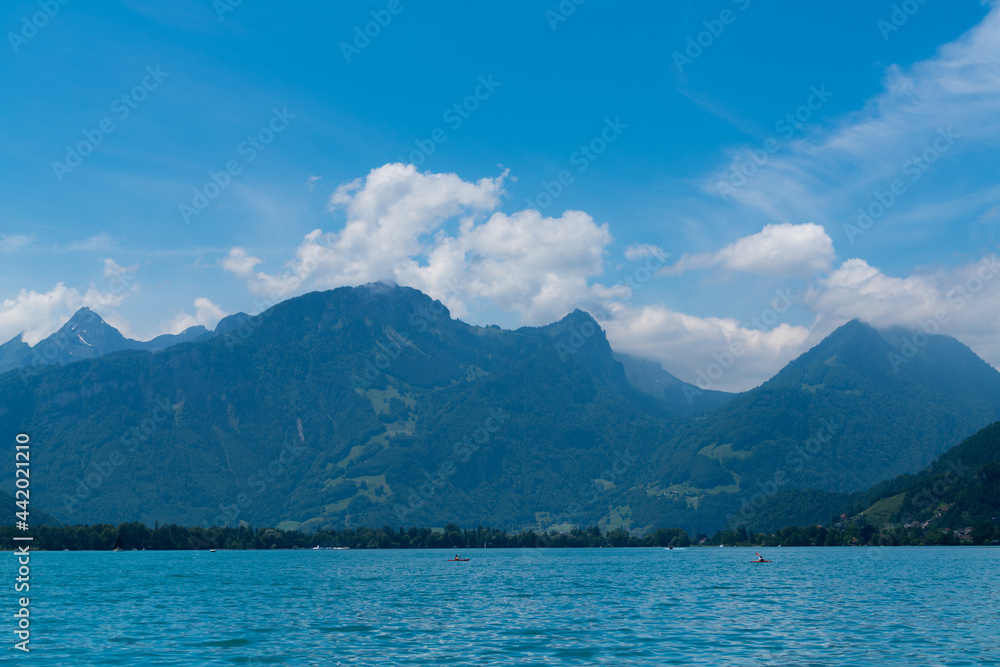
column 138, row 536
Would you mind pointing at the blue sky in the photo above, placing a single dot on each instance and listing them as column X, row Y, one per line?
column 349, row 162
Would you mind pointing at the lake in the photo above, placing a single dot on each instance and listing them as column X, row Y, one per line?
column 702, row 606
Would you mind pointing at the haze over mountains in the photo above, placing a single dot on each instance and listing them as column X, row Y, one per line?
column 842, row 417
column 84, row 336
column 370, row 405
column 955, row 499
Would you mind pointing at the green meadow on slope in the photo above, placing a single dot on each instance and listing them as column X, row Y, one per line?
column 371, row 405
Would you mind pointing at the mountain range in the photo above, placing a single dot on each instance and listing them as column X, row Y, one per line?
column 842, row 417
column 953, row 500
column 372, row 405
column 86, row 336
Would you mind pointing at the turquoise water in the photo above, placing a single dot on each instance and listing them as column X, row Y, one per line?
column 707, row 606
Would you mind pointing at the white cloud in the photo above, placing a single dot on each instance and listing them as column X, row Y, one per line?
column 14, row 242
column 782, row 249
column 834, row 170
column 857, row 290
column 101, row 242
column 524, row 262
column 207, row 314
column 442, row 235
column 113, row 271
column 644, row 250
column 312, row 181
column 711, row 353
column 39, row 314
column 963, row 302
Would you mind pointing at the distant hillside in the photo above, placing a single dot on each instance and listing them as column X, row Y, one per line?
column 959, row 490
column 649, row 376
column 36, row 517
column 87, row 336
column 372, row 406
column 356, row 406
column 840, row 418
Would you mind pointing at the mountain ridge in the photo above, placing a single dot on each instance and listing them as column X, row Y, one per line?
column 367, row 405
column 87, row 336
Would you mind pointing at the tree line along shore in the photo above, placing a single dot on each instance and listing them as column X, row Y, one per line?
column 138, row 536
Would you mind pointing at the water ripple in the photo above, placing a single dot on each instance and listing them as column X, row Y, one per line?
column 861, row 606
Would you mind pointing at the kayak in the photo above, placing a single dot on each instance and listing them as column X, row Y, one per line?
column 760, row 561
column 456, row 560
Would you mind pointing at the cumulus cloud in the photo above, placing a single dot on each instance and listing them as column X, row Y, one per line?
column 712, row 353
column 38, row 314
column 207, row 314
column 526, row 263
column 442, row 235
column 963, row 302
column 781, row 249
column 858, row 290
